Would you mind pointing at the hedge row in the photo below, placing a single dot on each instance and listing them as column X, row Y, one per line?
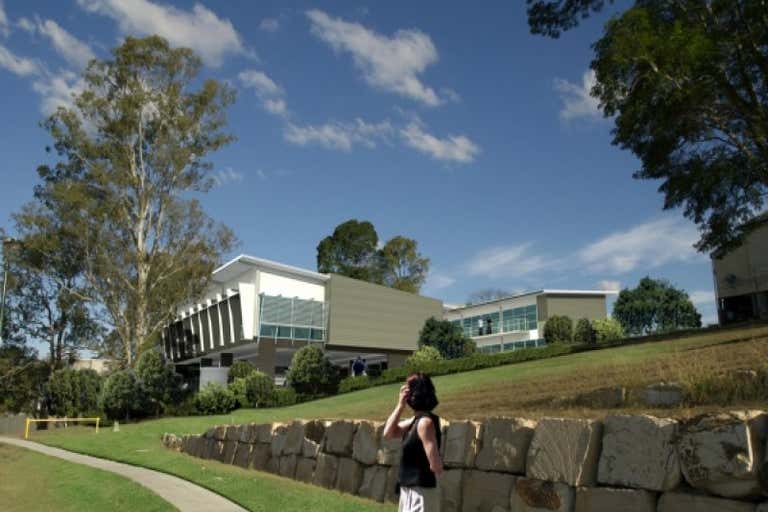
column 476, row 361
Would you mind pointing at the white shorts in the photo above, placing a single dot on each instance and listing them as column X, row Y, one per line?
column 419, row 499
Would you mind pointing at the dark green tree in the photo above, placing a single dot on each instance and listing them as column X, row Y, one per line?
column 558, row 329
column 402, row 266
column 72, row 393
column 259, row 389
column 240, row 369
column 132, row 153
column 160, row 380
column 447, row 338
column 22, row 378
column 123, row 396
column 655, row 306
column 584, row 332
column 350, row 251
column 312, row 373
column 687, row 82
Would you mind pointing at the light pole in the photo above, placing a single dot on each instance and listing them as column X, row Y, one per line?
column 6, row 241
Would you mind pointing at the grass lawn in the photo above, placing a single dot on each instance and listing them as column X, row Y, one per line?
column 517, row 389
column 31, row 481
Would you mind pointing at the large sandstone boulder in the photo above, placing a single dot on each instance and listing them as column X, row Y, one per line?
column 260, row 457
column 247, row 433
column 294, row 438
column 228, row 455
column 350, row 475
column 326, row 470
column 389, row 449
column 287, row 467
column 723, row 454
column 279, row 435
column 504, row 444
column 242, row 455
column 374, row 484
column 639, row 452
column 680, row 502
column 529, row 495
column 338, row 437
column 450, row 484
column 565, row 450
column 233, row 432
column 220, row 432
column 309, row 449
column 314, row 430
column 263, row 432
column 599, row 499
column 365, row 445
column 485, row 491
column 664, row 394
column 461, row 443
column 305, row 470
column 389, row 494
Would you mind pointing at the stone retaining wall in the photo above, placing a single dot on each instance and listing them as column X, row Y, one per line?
column 623, row 463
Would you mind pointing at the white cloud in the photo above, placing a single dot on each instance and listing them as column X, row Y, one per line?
column 68, row 46
column 388, row 63
column 702, row 298
column 454, row 148
column 58, row 90
column 26, row 25
column 270, row 25
column 266, row 90
column 5, row 28
column 577, row 100
column 647, row 245
column 507, row 261
column 609, row 285
column 336, row 135
column 20, row 66
column 211, row 37
column 226, row 176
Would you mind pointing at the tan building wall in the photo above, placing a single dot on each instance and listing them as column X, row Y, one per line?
column 574, row 306
column 368, row 316
column 744, row 270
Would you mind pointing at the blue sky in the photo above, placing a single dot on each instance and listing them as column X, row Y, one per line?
column 448, row 124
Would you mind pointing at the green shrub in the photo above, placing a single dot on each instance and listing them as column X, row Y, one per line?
column 422, row 359
column 584, row 333
column 161, row 382
column 237, row 387
column 558, row 329
column 352, row 383
column 240, row 370
column 123, row 396
column 447, row 338
column 73, row 393
column 185, row 407
column 312, row 373
column 214, row 398
column 283, row 397
column 259, row 389
column 607, row 329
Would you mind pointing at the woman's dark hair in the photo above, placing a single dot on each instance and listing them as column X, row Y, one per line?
column 421, row 392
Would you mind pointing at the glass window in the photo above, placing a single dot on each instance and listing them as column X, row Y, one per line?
column 284, row 331
column 301, row 333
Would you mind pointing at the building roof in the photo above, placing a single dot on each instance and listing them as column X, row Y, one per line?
column 244, row 262
column 547, row 291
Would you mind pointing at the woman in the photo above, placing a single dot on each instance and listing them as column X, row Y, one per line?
column 420, row 464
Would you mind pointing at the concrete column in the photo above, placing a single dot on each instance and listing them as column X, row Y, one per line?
column 265, row 360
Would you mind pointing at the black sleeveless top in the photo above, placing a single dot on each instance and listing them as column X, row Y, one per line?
column 414, row 465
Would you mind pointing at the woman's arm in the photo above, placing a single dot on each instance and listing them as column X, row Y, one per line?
column 426, row 430
column 394, row 428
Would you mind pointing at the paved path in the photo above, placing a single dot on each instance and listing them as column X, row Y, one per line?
column 184, row 495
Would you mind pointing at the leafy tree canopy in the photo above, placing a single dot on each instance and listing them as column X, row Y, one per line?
column 312, row 373
column 402, row 266
column 350, row 251
column 655, row 306
column 687, row 82
column 447, row 338
column 558, row 329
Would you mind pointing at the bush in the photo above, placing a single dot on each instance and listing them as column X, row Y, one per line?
column 259, row 389
column 214, row 398
column 237, row 387
column 423, row 359
column 607, row 329
column 558, row 329
column 584, row 333
column 161, row 382
column 284, row 397
column 240, row 370
column 123, row 396
column 185, row 407
column 312, row 373
column 73, row 393
column 447, row 338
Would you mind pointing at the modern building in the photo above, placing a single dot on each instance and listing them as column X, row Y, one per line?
column 264, row 311
column 517, row 321
column 741, row 278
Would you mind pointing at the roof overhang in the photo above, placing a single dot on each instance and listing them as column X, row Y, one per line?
column 244, row 262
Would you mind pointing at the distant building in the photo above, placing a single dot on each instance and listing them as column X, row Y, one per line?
column 741, row 278
column 100, row 366
column 263, row 311
column 517, row 321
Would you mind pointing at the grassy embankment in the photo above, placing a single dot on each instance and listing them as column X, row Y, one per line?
column 524, row 389
column 31, row 481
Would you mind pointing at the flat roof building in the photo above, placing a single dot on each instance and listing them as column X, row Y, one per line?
column 518, row 321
